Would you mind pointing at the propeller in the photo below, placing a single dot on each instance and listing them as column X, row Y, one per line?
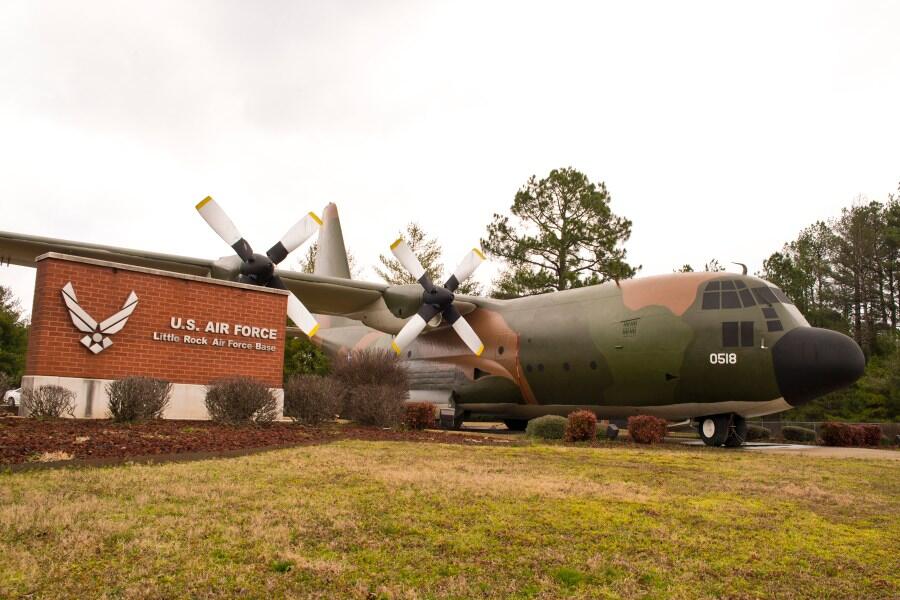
column 436, row 299
column 259, row 269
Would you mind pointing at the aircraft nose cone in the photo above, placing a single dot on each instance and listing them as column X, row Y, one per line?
column 810, row 362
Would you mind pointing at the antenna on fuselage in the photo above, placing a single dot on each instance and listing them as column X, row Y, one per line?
column 742, row 265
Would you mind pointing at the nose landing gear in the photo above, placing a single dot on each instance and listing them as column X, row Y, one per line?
column 723, row 430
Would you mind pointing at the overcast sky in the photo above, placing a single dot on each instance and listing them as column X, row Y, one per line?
column 721, row 129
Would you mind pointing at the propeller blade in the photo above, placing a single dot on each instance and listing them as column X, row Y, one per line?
column 296, row 235
column 301, row 317
column 413, row 327
column 464, row 330
column 410, row 262
column 213, row 214
column 465, row 269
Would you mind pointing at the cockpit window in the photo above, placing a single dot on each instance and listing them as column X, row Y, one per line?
column 711, row 300
column 765, row 295
column 735, row 294
column 726, row 295
column 730, row 300
column 782, row 296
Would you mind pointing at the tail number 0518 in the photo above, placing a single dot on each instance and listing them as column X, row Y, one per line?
column 723, row 358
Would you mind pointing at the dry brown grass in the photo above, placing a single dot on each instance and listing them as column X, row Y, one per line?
column 410, row 520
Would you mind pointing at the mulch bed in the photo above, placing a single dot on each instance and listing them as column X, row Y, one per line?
column 32, row 440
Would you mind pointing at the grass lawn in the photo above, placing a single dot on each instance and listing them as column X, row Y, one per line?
column 420, row 520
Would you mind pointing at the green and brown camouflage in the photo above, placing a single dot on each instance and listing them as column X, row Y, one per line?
column 642, row 346
column 678, row 346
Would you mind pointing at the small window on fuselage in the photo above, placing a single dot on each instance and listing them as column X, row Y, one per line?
column 729, row 334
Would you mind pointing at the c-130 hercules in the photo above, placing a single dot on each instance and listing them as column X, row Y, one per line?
column 715, row 348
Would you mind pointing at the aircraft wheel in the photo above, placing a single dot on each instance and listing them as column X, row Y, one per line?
column 737, row 433
column 714, row 429
column 516, row 424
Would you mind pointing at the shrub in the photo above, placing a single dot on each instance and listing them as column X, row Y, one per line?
column 581, row 426
column 419, row 415
column 844, row 434
column 756, row 433
column 871, row 435
column 858, row 435
column 374, row 372
column 370, row 367
column 5, row 383
column 646, row 429
column 240, row 400
column 377, row 405
column 48, row 401
column 793, row 433
column 138, row 398
column 310, row 399
column 548, row 427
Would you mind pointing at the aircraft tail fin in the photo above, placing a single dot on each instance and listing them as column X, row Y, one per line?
column 331, row 259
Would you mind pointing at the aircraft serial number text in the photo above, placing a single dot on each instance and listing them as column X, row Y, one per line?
column 723, row 358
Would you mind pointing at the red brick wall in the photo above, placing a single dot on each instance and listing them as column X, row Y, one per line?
column 54, row 348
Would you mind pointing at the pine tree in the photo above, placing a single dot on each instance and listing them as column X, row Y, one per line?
column 562, row 234
column 429, row 252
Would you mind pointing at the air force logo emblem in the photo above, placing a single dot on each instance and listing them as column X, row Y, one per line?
column 97, row 338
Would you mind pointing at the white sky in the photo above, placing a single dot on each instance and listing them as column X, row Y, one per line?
column 721, row 129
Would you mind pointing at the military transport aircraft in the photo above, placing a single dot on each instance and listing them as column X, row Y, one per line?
column 714, row 348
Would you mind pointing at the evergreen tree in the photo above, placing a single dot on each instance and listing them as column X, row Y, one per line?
column 429, row 252
column 562, row 234
column 307, row 264
column 302, row 357
column 13, row 336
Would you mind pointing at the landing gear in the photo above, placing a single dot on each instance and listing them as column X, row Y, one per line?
column 451, row 418
column 737, row 433
column 516, row 424
column 723, row 430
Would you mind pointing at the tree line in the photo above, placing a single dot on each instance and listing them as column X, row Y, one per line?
column 843, row 273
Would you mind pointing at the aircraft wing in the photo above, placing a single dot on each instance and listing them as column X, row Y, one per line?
column 332, row 295
column 20, row 249
column 320, row 294
column 326, row 295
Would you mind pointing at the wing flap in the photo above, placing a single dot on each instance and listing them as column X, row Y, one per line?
column 332, row 295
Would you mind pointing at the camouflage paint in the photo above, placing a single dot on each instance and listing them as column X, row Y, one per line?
column 639, row 344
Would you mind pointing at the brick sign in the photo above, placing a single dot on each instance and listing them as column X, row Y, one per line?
column 95, row 321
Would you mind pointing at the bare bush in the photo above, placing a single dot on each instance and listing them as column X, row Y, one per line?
column 240, row 400
column 48, row 401
column 373, row 387
column 311, row 399
column 378, row 405
column 368, row 367
column 138, row 398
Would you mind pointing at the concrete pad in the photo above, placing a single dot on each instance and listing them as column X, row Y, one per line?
column 805, row 450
